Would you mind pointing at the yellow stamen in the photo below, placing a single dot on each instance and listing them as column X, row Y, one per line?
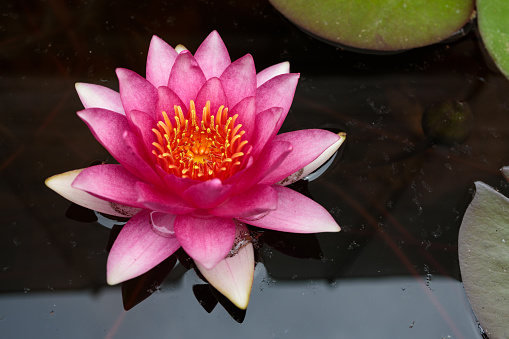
column 200, row 150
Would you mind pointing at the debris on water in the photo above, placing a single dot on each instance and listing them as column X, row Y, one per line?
column 448, row 123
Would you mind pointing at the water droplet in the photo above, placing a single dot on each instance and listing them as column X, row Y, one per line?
column 107, row 222
column 162, row 224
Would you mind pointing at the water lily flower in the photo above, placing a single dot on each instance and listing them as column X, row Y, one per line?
column 199, row 157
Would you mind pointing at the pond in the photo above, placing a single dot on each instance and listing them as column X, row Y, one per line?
column 392, row 272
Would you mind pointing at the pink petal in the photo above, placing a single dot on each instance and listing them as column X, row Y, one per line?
column 307, row 146
column 61, row 183
column 110, row 128
column 139, row 159
column 166, row 103
column 137, row 249
column 265, row 128
column 109, row 182
column 277, row 92
column 239, row 80
column 212, row 91
column 315, row 164
column 233, row 276
column 295, row 213
column 136, row 92
column 246, row 110
column 160, row 60
column 143, row 124
column 178, row 185
column 212, row 56
column 272, row 71
column 207, row 194
column 267, row 162
column 207, row 241
column 161, row 201
column 259, row 199
column 99, row 97
column 186, row 78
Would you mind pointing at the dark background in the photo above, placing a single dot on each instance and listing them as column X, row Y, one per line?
column 392, row 272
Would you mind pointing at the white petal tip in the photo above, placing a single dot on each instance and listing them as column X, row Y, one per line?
column 115, row 279
column 315, row 164
column 62, row 184
column 233, row 276
column 119, row 275
column 112, row 282
column 231, row 280
column 180, row 48
column 334, row 229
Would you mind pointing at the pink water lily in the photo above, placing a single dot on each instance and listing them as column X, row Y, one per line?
column 199, row 156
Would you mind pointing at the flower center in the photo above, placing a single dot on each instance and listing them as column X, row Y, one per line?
column 202, row 150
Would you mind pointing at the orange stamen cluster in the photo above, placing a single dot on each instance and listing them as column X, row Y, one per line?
column 211, row 148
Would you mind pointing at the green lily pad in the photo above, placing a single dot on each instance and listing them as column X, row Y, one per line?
column 384, row 25
column 483, row 248
column 493, row 19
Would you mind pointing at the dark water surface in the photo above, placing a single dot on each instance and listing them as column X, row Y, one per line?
column 392, row 272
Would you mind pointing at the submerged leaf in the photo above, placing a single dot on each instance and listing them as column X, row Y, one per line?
column 483, row 247
column 494, row 28
column 379, row 24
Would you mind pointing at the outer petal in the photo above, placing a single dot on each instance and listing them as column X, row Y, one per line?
column 61, row 183
column 239, row 79
column 137, row 249
column 212, row 56
column 277, row 92
column 136, row 92
column 233, row 276
column 109, row 182
column 165, row 202
column 307, row 146
column 211, row 91
column 207, row 241
column 259, row 199
column 315, row 164
column 272, row 71
column 108, row 128
column 111, row 130
column 100, row 97
column 207, row 194
column 160, row 60
column 295, row 213
column 186, row 78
